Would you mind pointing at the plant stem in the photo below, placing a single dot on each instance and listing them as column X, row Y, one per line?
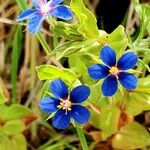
column 43, row 43
column 15, row 61
column 81, row 137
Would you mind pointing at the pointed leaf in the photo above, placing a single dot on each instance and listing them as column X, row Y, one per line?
column 132, row 136
column 17, row 142
column 13, row 127
column 88, row 23
column 118, row 40
column 16, row 112
column 49, row 72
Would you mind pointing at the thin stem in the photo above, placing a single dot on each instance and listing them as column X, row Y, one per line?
column 43, row 43
column 81, row 137
column 55, row 40
column 15, row 60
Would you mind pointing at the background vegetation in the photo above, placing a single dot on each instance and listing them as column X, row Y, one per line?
column 22, row 124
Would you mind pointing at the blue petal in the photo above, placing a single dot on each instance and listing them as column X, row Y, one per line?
column 27, row 14
column 35, row 23
column 61, row 120
column 109, row 86
column 98, row 71
column 43, row 1
column 128, row 80
column 79, row 94
column 55, row 2
column 108, row 56
column 36, row 3
column 80, row 114
column 59, row 89
column 127, row 61
column 62, row 12
column 49, row 104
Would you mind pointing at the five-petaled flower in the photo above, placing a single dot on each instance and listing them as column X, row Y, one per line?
column 43, row 8
column 114, row 71
column 66, row 105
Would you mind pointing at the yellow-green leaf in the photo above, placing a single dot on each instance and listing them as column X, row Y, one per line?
column 132, row 136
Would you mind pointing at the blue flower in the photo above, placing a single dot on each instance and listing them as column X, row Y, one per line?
column 66, row 105
column 113, row 71
column 43, row 8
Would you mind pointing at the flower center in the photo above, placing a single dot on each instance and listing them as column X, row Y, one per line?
column 65, row 105
column 114, row 70
column 45, row 8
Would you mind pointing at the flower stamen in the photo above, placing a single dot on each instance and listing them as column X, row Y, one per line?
column 65, row 105
column 45, row 8
column 114, row 70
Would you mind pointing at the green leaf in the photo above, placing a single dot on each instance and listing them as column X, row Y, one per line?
column 2, row 96
column 22, row 4
column 141, row 33
column 146, row 8
column 49, row 72
column 81, row 60
column 17, row 111
column 107, row 120
column 13, row 127
column 68, row 31
column 143, row 12
column 144, row 90
column 3, row 110
column 93, row 49
column 140, row 102
column 80, row 68
column 68, row 48
column 96, row 96
column 15, row 118
column 88, row 23
column 137, row 7
column 140, row 98
column 132, row 136
column 118, row 40
column 17, row 142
